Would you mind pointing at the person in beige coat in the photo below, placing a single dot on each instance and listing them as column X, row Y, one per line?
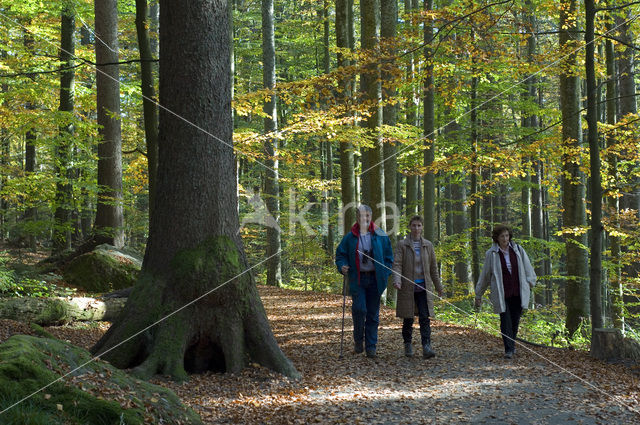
column 508, row 270
column 415, row 274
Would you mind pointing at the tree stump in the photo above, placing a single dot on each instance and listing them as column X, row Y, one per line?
column 607, row 344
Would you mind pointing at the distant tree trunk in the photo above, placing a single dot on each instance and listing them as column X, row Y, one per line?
column 429, row 130
column 474, row 208
column 108, row 227
column 460, row 226
column 595, row 269
column 344, row 15
column 615, row 281
column 537, row 226
column 389, row 14
column 149, row 96
column 373, row 190
column 412, row 194
column 328, row 202
column 31, row 213
column 62, row 214
column 183, row 330
column 573, row 190
column 272, row 180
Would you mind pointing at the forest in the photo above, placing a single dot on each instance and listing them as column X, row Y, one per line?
column 226, row 144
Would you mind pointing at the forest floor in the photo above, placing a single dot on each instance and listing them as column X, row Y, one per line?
column 467, row 382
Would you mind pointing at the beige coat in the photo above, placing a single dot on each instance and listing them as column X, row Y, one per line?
column 403, row 269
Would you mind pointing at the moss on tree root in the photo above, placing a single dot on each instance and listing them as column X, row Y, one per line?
column 29, row 364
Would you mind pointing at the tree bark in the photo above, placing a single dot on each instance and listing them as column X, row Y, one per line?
column 60, row 310
column 108, row 227
column 573, row 190
column 373, row 191
column 62, row 214
column 195, row 307
column 347, row 174
column 149, row 97
column 429, row 130
column 595, row 269
column 389, row 18
column 272, row 179
column 615, row 281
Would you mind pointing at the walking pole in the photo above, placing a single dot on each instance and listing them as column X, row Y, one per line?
column 344, row 303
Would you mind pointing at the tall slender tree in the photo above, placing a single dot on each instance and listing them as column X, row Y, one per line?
column 62, row 214
column 149, row 94
column 109, row 224
column 573, row 188
column 272, row 179
column 373, row 191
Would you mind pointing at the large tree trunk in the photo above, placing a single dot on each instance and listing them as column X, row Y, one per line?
column 149, row 96
column 344, row 25
column 195, row 306
column 108, row 227
column 595, row 269
column 573, row 190
column 270, row 108
column 62, row 214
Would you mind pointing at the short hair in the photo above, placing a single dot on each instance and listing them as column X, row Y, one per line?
column 367, row 208
column 498, row 230
column 416, row 218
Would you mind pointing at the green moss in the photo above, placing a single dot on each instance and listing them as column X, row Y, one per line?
column 101, row 271
column 28, row 364
column 215, row 260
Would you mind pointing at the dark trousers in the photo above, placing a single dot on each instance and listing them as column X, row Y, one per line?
column 509, row 321
column 423, row 318
column 365, row 311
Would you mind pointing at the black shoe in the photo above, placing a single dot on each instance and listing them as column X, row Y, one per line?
column 408, row 349
column 358, row 347
column 508, row 355
column 371, row 353
column 427, row 352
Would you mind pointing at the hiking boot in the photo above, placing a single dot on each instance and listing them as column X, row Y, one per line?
column 427, row 352
column 408, row 349
column 371, row 353
column 358, row 347
column 508, row 355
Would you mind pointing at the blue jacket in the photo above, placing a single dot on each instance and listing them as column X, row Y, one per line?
column 382, row 254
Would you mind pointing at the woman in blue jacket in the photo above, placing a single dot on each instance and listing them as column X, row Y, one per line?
column 366, row 257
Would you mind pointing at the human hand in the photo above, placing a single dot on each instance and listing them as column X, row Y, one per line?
column 398, row 285
column 344, row 269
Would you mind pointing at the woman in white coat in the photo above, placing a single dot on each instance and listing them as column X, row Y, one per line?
column 508, row 270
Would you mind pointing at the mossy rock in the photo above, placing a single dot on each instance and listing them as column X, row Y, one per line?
column 47, row 381
column 102, row 270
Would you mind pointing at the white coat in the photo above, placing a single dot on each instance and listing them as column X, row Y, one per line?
column 492, row 275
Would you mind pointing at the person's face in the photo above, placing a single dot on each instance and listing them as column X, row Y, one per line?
column 364, row 218
column 416, row 229
column 503, row 239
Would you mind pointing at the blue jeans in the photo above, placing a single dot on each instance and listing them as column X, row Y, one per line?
column 365, row 311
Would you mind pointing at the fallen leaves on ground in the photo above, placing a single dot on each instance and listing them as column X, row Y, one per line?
column 467, row 382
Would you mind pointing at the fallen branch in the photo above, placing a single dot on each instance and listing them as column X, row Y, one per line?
column 59, row 310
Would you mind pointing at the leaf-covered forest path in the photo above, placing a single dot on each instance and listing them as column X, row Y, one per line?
column 467, row 382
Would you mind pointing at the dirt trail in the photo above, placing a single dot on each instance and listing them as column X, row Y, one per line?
column 467, row 382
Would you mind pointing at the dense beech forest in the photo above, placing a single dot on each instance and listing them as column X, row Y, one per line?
column 470, row 113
